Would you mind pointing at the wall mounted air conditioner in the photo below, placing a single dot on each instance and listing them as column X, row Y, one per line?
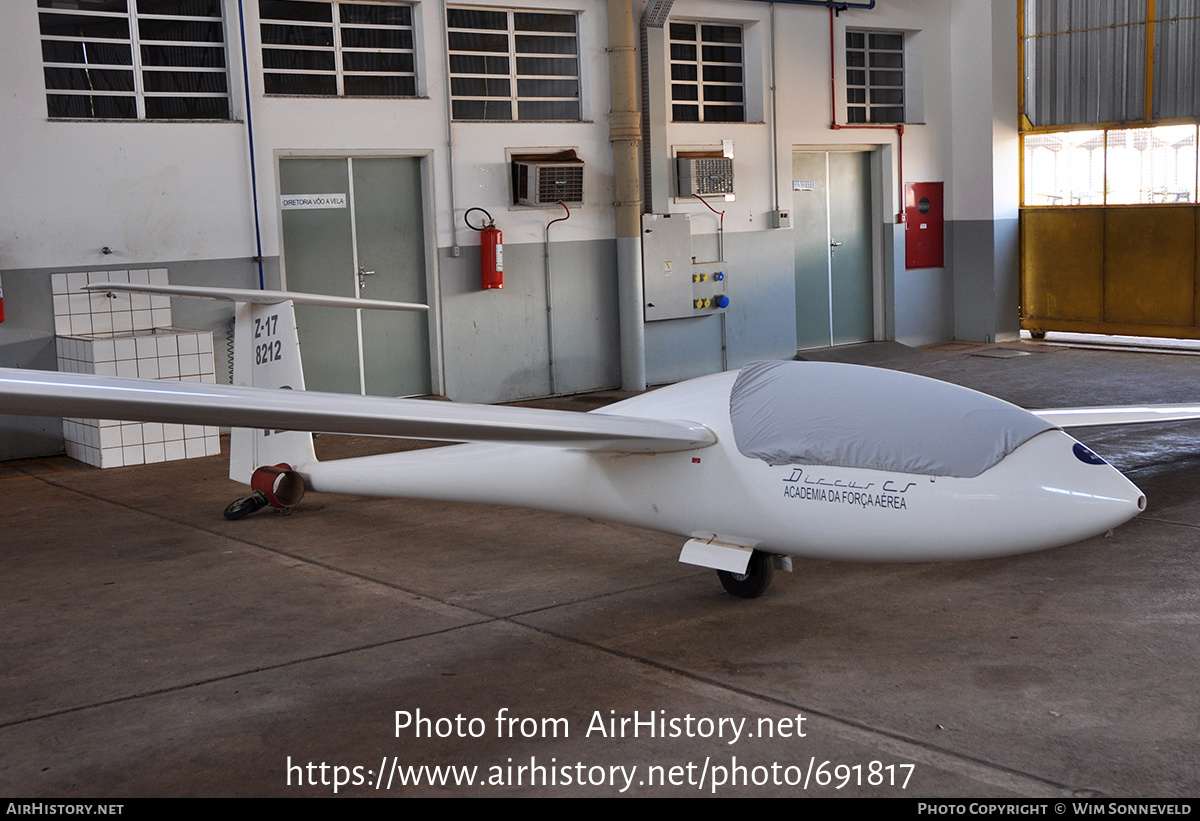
column 543, row 183
column 548, row 182
column 704, row 176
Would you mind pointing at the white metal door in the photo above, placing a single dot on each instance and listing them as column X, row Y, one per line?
column 831, row 213
column 355, row 227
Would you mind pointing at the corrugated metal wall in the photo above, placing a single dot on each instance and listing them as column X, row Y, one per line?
column 1176, row 67
column 1085, row 61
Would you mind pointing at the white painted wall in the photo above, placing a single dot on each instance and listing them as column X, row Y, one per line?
column 180, row 191
column 802, row 53
column 1006, row 144
column 149, row 191
column 293, row 126
column 983, row 132
column 173, row 191
column 970, row 193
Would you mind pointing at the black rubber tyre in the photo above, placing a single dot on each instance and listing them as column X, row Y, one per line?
column 754, row 582
column 246, row 506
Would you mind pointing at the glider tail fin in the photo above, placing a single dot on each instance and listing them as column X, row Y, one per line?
column 267, row 355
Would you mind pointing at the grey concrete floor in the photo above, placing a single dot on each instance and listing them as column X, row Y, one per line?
column 152, row 648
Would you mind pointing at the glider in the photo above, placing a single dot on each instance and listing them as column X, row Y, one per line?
column 752, row 467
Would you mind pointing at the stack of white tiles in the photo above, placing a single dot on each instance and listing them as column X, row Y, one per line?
column 129, row 335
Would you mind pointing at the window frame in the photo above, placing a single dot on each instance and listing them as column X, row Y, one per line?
column 514, row 78
column 138, row 68
column 1111, row 167
column 338, row 50
column 702, row 103
column 867, row 87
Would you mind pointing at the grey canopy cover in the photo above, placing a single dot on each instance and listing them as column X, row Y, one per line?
column 825, row 413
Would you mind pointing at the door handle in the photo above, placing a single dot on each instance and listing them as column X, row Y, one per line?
column 834, row 244
column 363, row 272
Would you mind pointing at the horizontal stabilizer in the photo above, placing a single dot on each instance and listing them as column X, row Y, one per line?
column 43, row 393
column 255, row 296
column 1118, row 415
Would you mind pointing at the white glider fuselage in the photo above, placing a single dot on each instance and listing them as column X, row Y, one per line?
column 1043, row 494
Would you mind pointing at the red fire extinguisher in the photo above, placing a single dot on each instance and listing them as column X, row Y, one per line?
column 491, row 251
column 1, row 303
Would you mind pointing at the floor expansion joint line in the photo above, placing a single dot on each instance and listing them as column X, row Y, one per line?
column 598, row 597
column 487, row 616
column 240, row 674
column 281, row 552
column 868, row 730
column 1166, row 522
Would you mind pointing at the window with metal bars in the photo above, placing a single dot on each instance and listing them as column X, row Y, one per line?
column 513, row 65
column 874, row 77
column 338, row 49
column 134, row 59
column 706, row 73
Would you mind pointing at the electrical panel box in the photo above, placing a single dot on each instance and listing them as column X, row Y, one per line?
column 924, row 243
column 541, row 182
column 674, row 284
column 704, row 176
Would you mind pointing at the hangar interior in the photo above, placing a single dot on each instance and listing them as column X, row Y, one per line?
column 683, row 187
column 196, row 159
column 156, row 649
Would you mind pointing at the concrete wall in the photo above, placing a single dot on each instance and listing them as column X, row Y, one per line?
column 983, row 191
column 178, row 195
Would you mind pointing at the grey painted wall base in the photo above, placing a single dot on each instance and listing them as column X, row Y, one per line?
column 760, row 322
column 892, row 243
column 1008, row 279
column 678, row 349
column 495, row 342
column 924, row 306
column 973, row 299
column 984, row 258
column 762, row 318
column 924, row 297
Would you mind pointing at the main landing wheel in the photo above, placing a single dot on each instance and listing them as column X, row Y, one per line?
column 754, row 582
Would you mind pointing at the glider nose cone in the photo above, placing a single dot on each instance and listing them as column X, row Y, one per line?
column 1097, row 496
column 1059, row 492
